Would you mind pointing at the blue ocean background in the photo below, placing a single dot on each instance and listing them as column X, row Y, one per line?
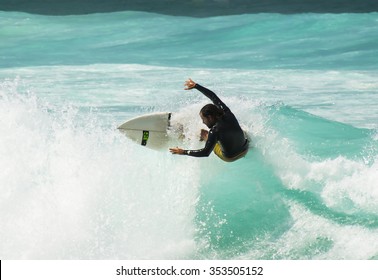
column 304, row 85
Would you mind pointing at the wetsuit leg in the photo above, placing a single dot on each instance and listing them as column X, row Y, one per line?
column 218, row 151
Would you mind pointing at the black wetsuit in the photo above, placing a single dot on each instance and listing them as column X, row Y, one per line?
column 227, row 131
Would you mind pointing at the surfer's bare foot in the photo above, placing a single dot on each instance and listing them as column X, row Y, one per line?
column 204, row 135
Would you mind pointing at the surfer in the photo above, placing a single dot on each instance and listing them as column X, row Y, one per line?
column 225, row 137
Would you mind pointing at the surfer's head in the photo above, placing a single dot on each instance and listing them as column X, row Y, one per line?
column 210, row 114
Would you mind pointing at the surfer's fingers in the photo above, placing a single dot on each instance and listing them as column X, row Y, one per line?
column 174, row 150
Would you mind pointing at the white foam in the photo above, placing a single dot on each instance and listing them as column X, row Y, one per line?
column 314, row 237
column 76, row 191
column 359, row 186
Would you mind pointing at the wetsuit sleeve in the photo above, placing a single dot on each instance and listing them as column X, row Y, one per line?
column 206, row 151
column 213, row 97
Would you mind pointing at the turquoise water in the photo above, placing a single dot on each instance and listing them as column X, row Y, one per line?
column 304, row 86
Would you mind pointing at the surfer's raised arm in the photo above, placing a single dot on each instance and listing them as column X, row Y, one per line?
column 190, row 84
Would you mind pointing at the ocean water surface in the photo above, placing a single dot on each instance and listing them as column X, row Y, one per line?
column 305, row 86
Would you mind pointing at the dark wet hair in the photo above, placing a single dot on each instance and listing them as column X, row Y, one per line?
column 212, row 110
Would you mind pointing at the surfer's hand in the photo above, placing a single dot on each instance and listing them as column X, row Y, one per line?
column 176, row 151
column 204, row 135
column 189, row 84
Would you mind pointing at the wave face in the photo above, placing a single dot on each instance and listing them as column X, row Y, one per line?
column 304, row 86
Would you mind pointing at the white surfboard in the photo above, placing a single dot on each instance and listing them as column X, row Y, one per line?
column 151, row 130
